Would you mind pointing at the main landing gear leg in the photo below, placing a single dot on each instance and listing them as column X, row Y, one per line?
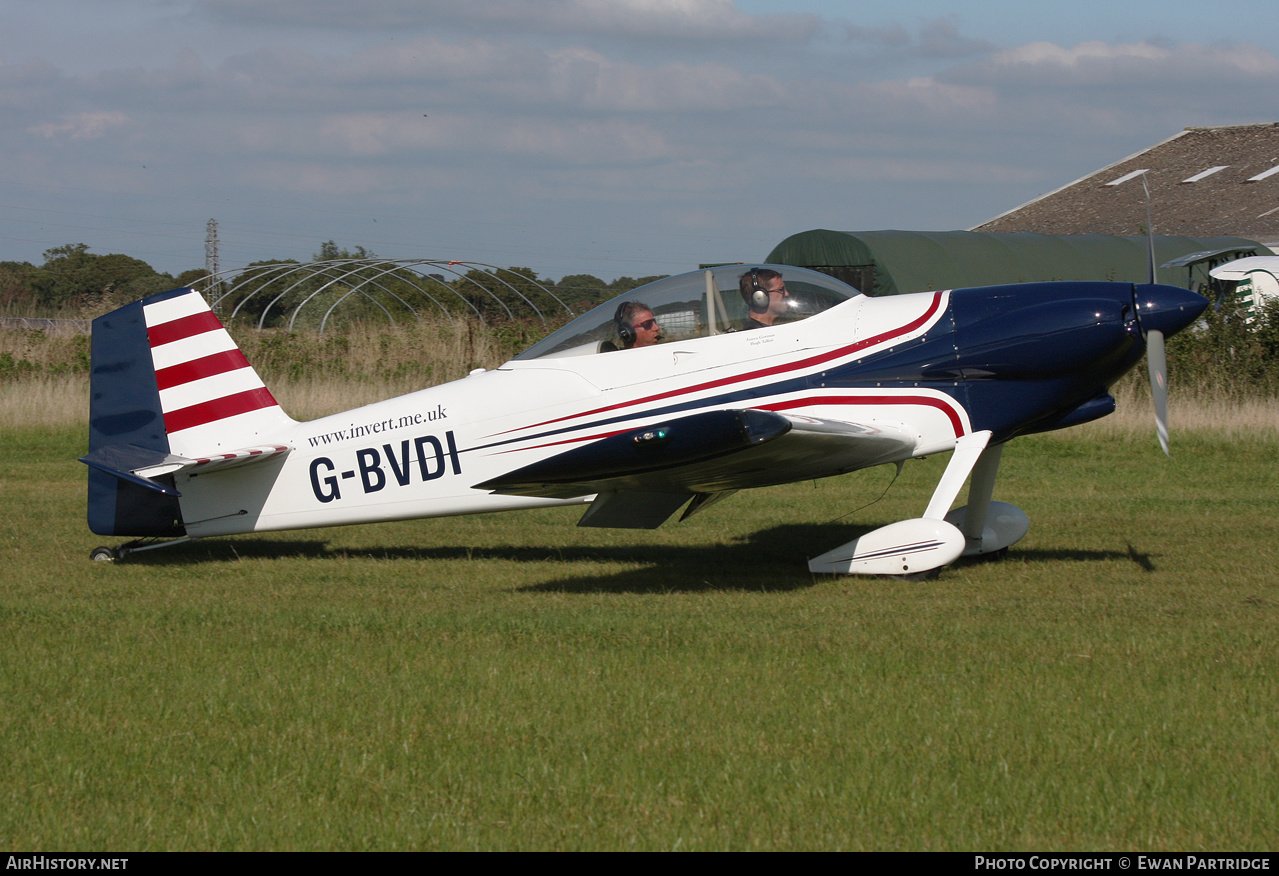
column 988, row 527
column 910, row 547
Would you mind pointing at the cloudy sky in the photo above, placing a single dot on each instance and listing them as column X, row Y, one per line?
column 611, row 137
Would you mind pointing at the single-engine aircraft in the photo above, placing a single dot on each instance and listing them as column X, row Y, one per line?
column 761, row 375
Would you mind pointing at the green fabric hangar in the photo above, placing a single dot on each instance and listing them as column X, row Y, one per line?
column 894, row 262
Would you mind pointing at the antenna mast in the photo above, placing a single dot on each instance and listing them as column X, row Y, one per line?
column 211, row 266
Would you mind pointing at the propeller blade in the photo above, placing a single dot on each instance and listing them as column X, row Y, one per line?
column 1157, row 364
column 1161, row 311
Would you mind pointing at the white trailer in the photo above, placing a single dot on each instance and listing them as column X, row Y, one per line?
column 1257, row 279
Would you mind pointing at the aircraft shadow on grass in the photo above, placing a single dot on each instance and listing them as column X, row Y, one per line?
column 763, row 561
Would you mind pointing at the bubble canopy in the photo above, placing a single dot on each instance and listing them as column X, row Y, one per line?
column 698, row 304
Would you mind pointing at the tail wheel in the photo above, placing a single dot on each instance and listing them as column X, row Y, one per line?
column 103, row 555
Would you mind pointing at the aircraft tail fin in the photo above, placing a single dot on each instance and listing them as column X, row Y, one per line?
column 168, row 386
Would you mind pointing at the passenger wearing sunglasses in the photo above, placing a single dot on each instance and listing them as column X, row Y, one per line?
column 636, row 326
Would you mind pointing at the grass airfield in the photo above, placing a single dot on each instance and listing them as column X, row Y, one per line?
column 513, row 682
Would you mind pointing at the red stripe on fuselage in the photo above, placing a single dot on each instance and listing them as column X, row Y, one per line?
column 578, row 439
column 179, row 329
column 812, row 361
column 927, row 401
column 218, row 409
column 185, row 372
column 942, row 404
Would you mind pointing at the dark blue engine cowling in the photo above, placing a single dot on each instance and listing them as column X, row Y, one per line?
column 1043, row 356
column 1029, row 357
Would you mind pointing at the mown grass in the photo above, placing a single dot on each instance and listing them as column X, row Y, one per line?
column 513, row 682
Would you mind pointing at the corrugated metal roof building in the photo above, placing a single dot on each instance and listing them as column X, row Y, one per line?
column 1203, row 182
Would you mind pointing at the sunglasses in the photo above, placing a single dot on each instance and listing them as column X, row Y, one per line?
column 647, row 325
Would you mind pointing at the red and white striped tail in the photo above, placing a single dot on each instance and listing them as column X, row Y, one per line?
column 210, row 396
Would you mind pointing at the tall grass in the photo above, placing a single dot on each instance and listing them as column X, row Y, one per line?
column 63, row 400
column 58, row 401
column 43, row 376
column 1229, row 412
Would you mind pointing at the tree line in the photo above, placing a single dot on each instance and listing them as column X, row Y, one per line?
column 1227, row 350
column 73, row 282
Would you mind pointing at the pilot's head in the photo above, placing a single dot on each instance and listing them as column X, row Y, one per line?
column 636, row 325
column 765, row 293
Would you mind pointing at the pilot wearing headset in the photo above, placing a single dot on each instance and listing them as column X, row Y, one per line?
column 766, row 295
column 636, row 326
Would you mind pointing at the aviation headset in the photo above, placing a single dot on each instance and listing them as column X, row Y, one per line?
column 622, row 317
column 759, row 295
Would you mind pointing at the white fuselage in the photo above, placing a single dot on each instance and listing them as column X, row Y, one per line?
column 421, row 454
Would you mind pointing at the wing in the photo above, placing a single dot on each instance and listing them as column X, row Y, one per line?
column 643, row 476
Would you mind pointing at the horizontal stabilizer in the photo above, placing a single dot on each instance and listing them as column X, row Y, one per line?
column 230, row 459
column 125, row 461
column 145, row 467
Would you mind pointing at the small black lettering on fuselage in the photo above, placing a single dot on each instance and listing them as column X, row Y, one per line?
column 413, row 460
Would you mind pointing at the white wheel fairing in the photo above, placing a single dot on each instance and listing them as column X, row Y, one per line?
column 903, row 548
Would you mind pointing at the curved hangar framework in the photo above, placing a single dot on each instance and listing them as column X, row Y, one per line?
column 673, row 396
column 313, row 295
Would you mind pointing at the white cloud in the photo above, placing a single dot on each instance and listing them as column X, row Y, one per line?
column 893, row 36
column 718, row 20
column 309, row 178
column 939, row 99
column 27, row 86
column 681, row 88
column 1048, row 54
column 941, row 38
column 474, row 77
column 1202, row 67
column 358, row 136
column 81, row 126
